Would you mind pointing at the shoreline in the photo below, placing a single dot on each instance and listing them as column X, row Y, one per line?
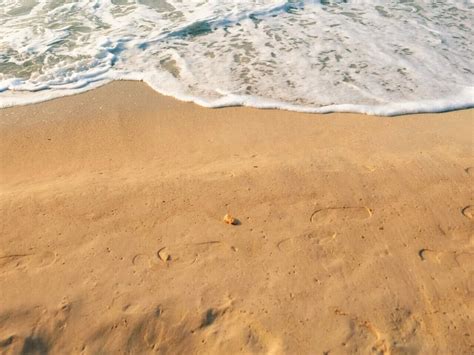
column 461, row 101
column 355, row 234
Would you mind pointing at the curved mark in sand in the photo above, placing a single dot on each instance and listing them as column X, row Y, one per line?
column 469, row 171
column 26, row 262
column 468, row 211
column 187, row 254
column 331, row 214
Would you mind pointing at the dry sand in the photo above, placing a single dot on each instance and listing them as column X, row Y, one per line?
column 355, row 235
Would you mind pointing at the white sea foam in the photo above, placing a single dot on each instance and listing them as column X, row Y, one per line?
column 376, row 57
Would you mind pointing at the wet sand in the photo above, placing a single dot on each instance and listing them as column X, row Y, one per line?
column 355, row 235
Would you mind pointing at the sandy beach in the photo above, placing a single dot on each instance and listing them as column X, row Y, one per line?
column 355, row 234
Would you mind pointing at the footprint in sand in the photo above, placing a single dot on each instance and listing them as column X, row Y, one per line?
column 302, row 242
column 32, row 329
column 469, row 171
column 184, row 255
column 468, row 211
column 345, row 213
column 361, row 335
column 177, row 329
column 464, row 260
column 445, row 258
column 26, row 262
column 142, row 262
column 127, row 303
column 429, row 255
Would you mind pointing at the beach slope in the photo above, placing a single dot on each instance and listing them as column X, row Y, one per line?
column 355, row 233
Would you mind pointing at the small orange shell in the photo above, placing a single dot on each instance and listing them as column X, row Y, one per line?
column 164, row 255
column 230, row 220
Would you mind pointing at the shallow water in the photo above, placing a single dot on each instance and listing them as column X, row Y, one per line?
column 378, row 57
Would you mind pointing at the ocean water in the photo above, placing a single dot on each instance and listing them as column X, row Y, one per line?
column 376, row 57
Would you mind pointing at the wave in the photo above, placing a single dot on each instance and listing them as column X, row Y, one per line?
column 386, row 58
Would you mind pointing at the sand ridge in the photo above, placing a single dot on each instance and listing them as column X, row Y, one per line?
column 356, row 232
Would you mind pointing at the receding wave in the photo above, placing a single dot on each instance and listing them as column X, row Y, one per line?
column 376, row 57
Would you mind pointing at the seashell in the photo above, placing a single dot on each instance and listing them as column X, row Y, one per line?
column 230, row 220
column 164, row 255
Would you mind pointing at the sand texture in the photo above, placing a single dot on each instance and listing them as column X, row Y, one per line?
column 355, row 233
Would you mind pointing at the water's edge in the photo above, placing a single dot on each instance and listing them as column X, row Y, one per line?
column 464, row 101
column 380, row 58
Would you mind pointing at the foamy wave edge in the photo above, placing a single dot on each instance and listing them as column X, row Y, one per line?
column 462, row 100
